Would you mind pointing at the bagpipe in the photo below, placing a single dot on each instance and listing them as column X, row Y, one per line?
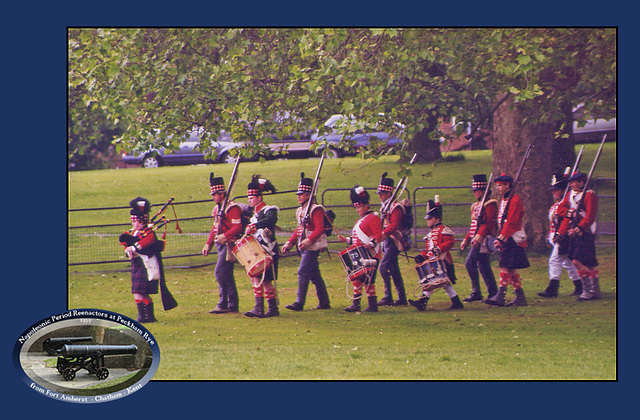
column 127, row 239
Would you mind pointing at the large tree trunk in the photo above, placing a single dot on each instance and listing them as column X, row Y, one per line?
column 427, row 150
column 511, row 139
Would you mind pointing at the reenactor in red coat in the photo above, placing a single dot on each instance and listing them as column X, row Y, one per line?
column 580, row 225
column 227, row 227
column 483, row 227
column 438, row 244
column 511, row 242
column 392, row 244
column 367, row 232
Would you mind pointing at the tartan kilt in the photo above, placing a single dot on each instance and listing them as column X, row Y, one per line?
column 513, row 256
column 583, row 249
column 139, row 279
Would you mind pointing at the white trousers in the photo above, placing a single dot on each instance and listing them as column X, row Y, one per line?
column 558, row 262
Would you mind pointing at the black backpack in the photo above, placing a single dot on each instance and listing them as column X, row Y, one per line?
column 329, row 217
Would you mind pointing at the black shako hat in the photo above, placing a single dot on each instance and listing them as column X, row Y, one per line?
column 259, row 186
column 359, row 195
column 305, row 186
column 216, row 183
column 386, row 184
column 479, row 182
column 434, row 209
column 559, row 180
column 140, row 207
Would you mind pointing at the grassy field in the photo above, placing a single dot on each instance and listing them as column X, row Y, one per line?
column 551, row 339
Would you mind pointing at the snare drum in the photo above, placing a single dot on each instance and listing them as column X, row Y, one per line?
column 253, row 257
column 432, row 274
column 358, row 262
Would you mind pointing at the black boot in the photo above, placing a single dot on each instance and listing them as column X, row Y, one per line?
column 473, row 297
column 273, row 308
column 552, row 289
column 420, row 304
column 519, row 299
column 373, row 304
column 141, row 316
column 295, row 306
column 497, row 299
column 258, row 309
column 455, row 303
column 577, row 288
column 402, row 296
column 355, row 306
column 387, row 300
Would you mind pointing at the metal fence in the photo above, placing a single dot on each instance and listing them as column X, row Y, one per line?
column 98, row 243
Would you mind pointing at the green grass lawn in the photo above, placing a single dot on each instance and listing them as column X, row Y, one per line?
column 551, row 339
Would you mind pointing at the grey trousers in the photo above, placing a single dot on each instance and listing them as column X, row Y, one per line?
column 226, row 281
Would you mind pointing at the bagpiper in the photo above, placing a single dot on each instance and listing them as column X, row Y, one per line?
column 144, row 250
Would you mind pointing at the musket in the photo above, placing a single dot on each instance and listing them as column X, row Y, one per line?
column 402, row 184
column 575, row 168
column 484, row 198
column 314, row 191
column 574, row 222
column 515, row 181
column 232, row 182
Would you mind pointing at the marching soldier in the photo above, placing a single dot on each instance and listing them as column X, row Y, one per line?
column 366, row 232
column 511, row 242
column 311, row 240
column 559, row 258
column 144, row 250
column 580, row 226
column 438, row 244
column 483, row 225
column 227, row 227
column 263, row 228
column 391, row 244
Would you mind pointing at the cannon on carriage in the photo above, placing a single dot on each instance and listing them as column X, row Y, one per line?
column 72, row 358
column 51, row 345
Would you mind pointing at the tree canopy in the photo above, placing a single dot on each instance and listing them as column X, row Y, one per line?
column 154, row 83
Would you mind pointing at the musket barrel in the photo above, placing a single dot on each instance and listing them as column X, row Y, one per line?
column 77, row 350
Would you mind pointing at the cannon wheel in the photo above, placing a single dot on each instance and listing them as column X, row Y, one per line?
column 102, row 373
column 69, row 374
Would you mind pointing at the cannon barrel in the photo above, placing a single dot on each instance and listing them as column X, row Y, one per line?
column 66, row 340
column 77, row 350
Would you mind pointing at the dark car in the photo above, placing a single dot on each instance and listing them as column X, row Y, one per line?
column 186, row 154
column 359, row 138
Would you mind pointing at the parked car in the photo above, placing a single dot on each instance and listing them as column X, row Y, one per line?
column 185, row 155
column 360, row 138
column 291, row 146
column 593, row 131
